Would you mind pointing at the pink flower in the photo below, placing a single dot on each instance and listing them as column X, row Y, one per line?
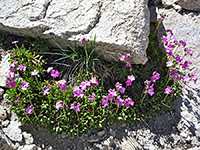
column 14, row 54
column 46, row 91
column 186, row 78
column 118, row 85
column 78, row 92
column 14, row 42
column 122, row 57
column 54, row 73
column 104, row 102
column 77, row 107
column 94, row 82
column 131, row 77
column 119, row 101
column 183, row 42
column 61, row 82
column 14, row 63
column 195, row 77
column 12, row 83
column 169, row 53
column 59, row 104
column 34, row 73
column 122, row 90
column 113, row 92
column 128, row 64
column 128, row 82
column 24, row 85
column 72, row 106
column 189, row 51
column 164, row 40
column 178, row 59
column 83, row 40
column 49, row 69
column 84, row 84
column 63, row 87
column 110, row 96
column 186, row 64
column 11, row 76
column 21, row 67
column 169, row 64
column 168, row 90
column 128, row 101
column 150, row 91
column 29, row 109
column 92, row 97
column 173, row 72
column 12, row 70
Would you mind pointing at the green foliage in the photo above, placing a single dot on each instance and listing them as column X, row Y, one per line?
column 85, row 104
column 36, row 44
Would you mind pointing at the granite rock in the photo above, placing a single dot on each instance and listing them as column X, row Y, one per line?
column 193, row 5
column 120, row 26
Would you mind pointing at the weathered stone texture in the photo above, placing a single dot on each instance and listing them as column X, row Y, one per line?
column 119, row 25
column 193, row 5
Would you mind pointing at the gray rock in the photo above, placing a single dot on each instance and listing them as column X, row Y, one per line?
column 5, row 143
column 101, row 133
column 193, row 5
column 4, row 70
column 28, row 138
column 13, row 131
column 129, row 143
column 3, row 113
column 119, row 26
column 168, row 3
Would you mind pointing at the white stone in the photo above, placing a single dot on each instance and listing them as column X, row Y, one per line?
column 28, row 138
column 13, row 131
column 120, row 26
column 4, row 70
column 28, row 147
column 1, row 92
column 5, row 123
column 3, row 113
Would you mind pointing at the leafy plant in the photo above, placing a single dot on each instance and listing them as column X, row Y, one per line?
column 138, row 93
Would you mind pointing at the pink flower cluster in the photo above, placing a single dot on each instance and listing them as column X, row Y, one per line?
column 11, row 78
column 149, row 87
column 29, row 109
column 83, row 40
column 62, row 84
column 78, row 91
column 59, row 104
column 76, row 107
column 54, row 73
column 126, row 58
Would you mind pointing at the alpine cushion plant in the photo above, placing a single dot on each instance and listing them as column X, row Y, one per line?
column 86, row 104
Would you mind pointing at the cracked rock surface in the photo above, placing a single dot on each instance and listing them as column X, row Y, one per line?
column 120, row 26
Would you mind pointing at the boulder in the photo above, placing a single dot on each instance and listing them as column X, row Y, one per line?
column 120, row 26
column 193, row 5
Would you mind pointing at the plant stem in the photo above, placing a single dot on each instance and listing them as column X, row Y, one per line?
column 78, row 116
column 143, row 98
